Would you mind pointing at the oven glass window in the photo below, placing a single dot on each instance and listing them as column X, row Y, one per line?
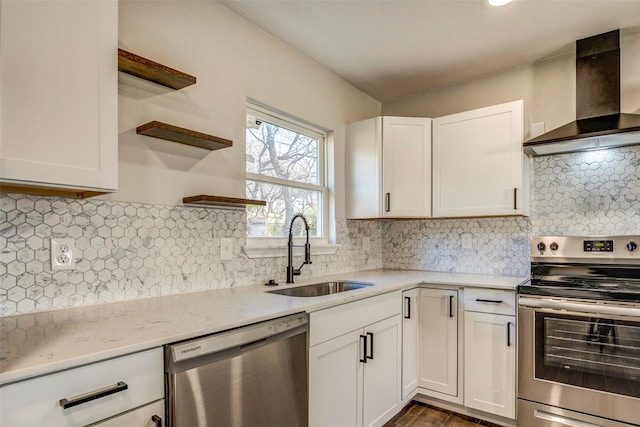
column 596, row 353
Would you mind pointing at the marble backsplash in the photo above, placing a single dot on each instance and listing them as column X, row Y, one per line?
column 128, row 250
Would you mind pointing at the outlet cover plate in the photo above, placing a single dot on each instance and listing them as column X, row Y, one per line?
column 63, row 255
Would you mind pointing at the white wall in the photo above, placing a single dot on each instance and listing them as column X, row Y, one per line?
column 233, row 60
column 547, row 88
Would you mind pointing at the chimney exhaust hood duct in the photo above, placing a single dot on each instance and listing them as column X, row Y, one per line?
column 599, row 124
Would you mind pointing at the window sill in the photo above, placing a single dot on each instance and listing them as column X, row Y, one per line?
column 275, row 251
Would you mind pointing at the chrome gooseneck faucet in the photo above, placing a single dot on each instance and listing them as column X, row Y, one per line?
column 307, row 250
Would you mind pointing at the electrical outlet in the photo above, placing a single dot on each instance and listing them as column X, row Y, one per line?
column 467, row 241
column 226, row 249
column 366, row 243
column 62, row 254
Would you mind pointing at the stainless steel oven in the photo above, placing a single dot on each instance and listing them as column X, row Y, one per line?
column 579, row 329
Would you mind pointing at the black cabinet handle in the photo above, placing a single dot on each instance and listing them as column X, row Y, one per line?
column 515, row 199
column 408, row 315
column 156, row 419
column 492, row 301
column 508, row 334
column 370, row 355
column 450, row 305
column 93, row 395
column 364, row 348
column 387, row 201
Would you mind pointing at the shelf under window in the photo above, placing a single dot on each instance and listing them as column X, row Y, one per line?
column 183, row 136
column 220, row 201
column 150, row 70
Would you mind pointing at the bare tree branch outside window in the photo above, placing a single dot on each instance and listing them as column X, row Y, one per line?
column 291, row 158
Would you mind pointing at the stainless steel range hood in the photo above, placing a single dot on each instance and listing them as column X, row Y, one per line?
column 599, row 124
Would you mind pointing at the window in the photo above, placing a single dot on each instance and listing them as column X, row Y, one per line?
column 286, row 168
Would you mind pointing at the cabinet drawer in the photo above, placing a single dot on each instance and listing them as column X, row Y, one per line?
column 498, row 301
column 333, row 322
column 150, row 415
column 37, row 401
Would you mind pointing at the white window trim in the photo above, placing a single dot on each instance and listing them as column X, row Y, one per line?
column 268, row 247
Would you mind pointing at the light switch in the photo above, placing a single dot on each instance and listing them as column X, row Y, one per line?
column 226, row 249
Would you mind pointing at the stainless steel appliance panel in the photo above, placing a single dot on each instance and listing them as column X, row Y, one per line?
column 574, row 357
column 532, row 414
column 262, row 382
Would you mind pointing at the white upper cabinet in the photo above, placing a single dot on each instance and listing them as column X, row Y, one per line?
column 388, row 168
column 479, row 168
column 59, row 82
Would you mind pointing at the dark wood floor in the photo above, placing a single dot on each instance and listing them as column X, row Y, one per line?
column 417, row 414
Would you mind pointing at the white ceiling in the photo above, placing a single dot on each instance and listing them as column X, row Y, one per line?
column 394, row 48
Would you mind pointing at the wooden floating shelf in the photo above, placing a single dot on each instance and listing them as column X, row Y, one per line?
column 183, row 136
column 150, row 70
column 205, row 200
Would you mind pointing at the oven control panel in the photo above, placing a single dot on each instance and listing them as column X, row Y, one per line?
column 609, row 248
column 598, row 245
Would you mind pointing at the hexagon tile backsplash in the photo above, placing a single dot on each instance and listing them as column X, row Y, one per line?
column 131, row 250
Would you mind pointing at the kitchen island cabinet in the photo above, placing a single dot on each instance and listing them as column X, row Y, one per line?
column 59, row 107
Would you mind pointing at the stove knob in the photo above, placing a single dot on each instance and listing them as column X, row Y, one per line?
column 541, row 247
column 632, row 246
column 553, row 246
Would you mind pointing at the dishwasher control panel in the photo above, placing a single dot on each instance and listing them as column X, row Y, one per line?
column 236, row 337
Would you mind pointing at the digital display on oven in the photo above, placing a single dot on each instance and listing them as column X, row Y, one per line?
column 598, row 245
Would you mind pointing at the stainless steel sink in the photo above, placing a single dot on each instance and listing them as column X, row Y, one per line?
column 320, row 289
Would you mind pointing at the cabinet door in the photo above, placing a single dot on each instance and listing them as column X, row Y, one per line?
column 363, row 172
column 478, row 163
column 59, row 78
column 335, row 382
column 438, row 341
column 409, row 342
column 490, row 363
column 150, row 415
column 406, row 166
column 382, row 372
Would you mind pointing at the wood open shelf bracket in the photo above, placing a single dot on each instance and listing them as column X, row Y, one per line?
column 183, row 136
column 150, row 70
column 220, row 201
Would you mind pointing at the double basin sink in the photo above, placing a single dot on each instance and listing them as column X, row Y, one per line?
column 320, row 289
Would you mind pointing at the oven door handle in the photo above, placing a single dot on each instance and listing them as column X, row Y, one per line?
column 580, row 308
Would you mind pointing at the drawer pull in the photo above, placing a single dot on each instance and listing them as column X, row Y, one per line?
column 93, row 395
column 156, row 419
column 492, row 301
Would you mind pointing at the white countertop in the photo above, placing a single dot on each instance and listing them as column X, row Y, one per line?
column 45, row 342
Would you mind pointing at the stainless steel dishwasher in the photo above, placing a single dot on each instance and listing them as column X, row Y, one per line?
column 250, row 376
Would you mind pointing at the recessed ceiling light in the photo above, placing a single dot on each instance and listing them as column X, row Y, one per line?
column 499, row 2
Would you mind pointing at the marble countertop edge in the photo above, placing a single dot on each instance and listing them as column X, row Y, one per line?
column 41, row 343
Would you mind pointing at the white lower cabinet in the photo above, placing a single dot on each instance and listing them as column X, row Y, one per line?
column 151, row 415
column 490, row 351
column 354, row 376
column 409, row 342
column 490, row 363
column 438, row 341
column 131, row 387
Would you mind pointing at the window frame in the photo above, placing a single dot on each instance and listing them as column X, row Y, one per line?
column 277, row 245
